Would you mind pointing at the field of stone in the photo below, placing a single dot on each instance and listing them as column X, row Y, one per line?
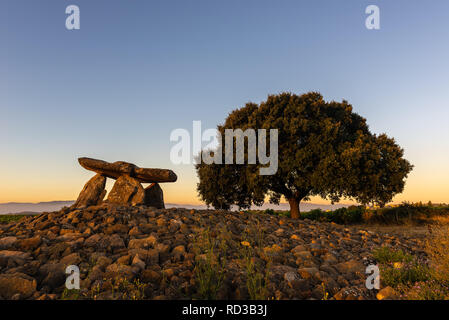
column 139, row 252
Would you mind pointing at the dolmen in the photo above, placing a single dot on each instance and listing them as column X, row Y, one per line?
column 127, row 189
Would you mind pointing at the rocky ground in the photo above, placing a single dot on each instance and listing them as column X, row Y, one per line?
column 146, row 253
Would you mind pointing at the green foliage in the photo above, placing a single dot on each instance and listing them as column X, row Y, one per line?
column 72, row 294
column 406, row 275
column 7, row 218
column 405, row 213
column 388, row 255
column 324, row 149
column 342, row 216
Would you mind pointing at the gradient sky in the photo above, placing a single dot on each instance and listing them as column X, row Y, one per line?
column 136, row 70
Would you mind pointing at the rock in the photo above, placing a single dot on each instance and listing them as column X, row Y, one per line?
column 53, row 275
column 93, row 192
column 138, row 262
column 7, row 242
column 290, row 276
column 303, row 255
column 115, row 242
column 12, row 284
column 301, row 285
column 134, row 231
column 92, row 241
column 124, row 260
column 152, row 257
column 31, row 243
column 127, row 191
column 103, row 262
column 178, row 252
column 154, row 197
column 7, row 254
column 351, row 266
column 387, row 293
column 307, row 273
column 117, row 169
column 71, row 259
column 151, row 276
column 116, row 270
column 142, row 243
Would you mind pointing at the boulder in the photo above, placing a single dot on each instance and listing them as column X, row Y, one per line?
column 154, row 197
column 127, row 191
column 117, row 169
column 12, row 284
column 7, row 242
column 92, row 193
column 387, row 293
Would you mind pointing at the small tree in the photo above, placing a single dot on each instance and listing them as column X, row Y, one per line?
column 324, row 149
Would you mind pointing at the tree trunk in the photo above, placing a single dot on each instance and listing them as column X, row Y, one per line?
column 294, row 207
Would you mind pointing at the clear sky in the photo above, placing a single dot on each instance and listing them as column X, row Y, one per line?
column 136, row 70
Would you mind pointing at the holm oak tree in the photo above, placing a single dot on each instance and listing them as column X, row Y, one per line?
column 324, row 149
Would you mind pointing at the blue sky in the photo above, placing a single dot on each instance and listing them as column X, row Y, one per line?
column 136, row 70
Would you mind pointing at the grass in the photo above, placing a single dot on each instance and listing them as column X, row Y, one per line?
column 437, row 249
column 210, row 265
column 414, row 278
column 407, row 274
column 385, row 255
column 256, row 273
column 8, row 218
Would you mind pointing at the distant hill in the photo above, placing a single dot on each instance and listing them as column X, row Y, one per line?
column 27, row 208
column 33, row 208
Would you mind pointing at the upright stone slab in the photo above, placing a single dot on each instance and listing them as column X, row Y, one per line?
column 127, row 191
column 93, row 192
column 154, row 197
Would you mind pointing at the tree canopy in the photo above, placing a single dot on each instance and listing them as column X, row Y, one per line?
column 324, row 149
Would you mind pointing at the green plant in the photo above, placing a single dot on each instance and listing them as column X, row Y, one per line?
column 7, row 218
column 256, row 280
column 385, row 255
column 210, row 265
column 405, row 275
column 70, row 294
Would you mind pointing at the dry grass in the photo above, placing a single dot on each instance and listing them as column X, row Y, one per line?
column 437, row 249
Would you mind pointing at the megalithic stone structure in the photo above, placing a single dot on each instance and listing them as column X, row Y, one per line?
column 127, row 190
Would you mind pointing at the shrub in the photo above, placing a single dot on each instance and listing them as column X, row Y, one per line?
column 407, row 274
column 387, row 255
